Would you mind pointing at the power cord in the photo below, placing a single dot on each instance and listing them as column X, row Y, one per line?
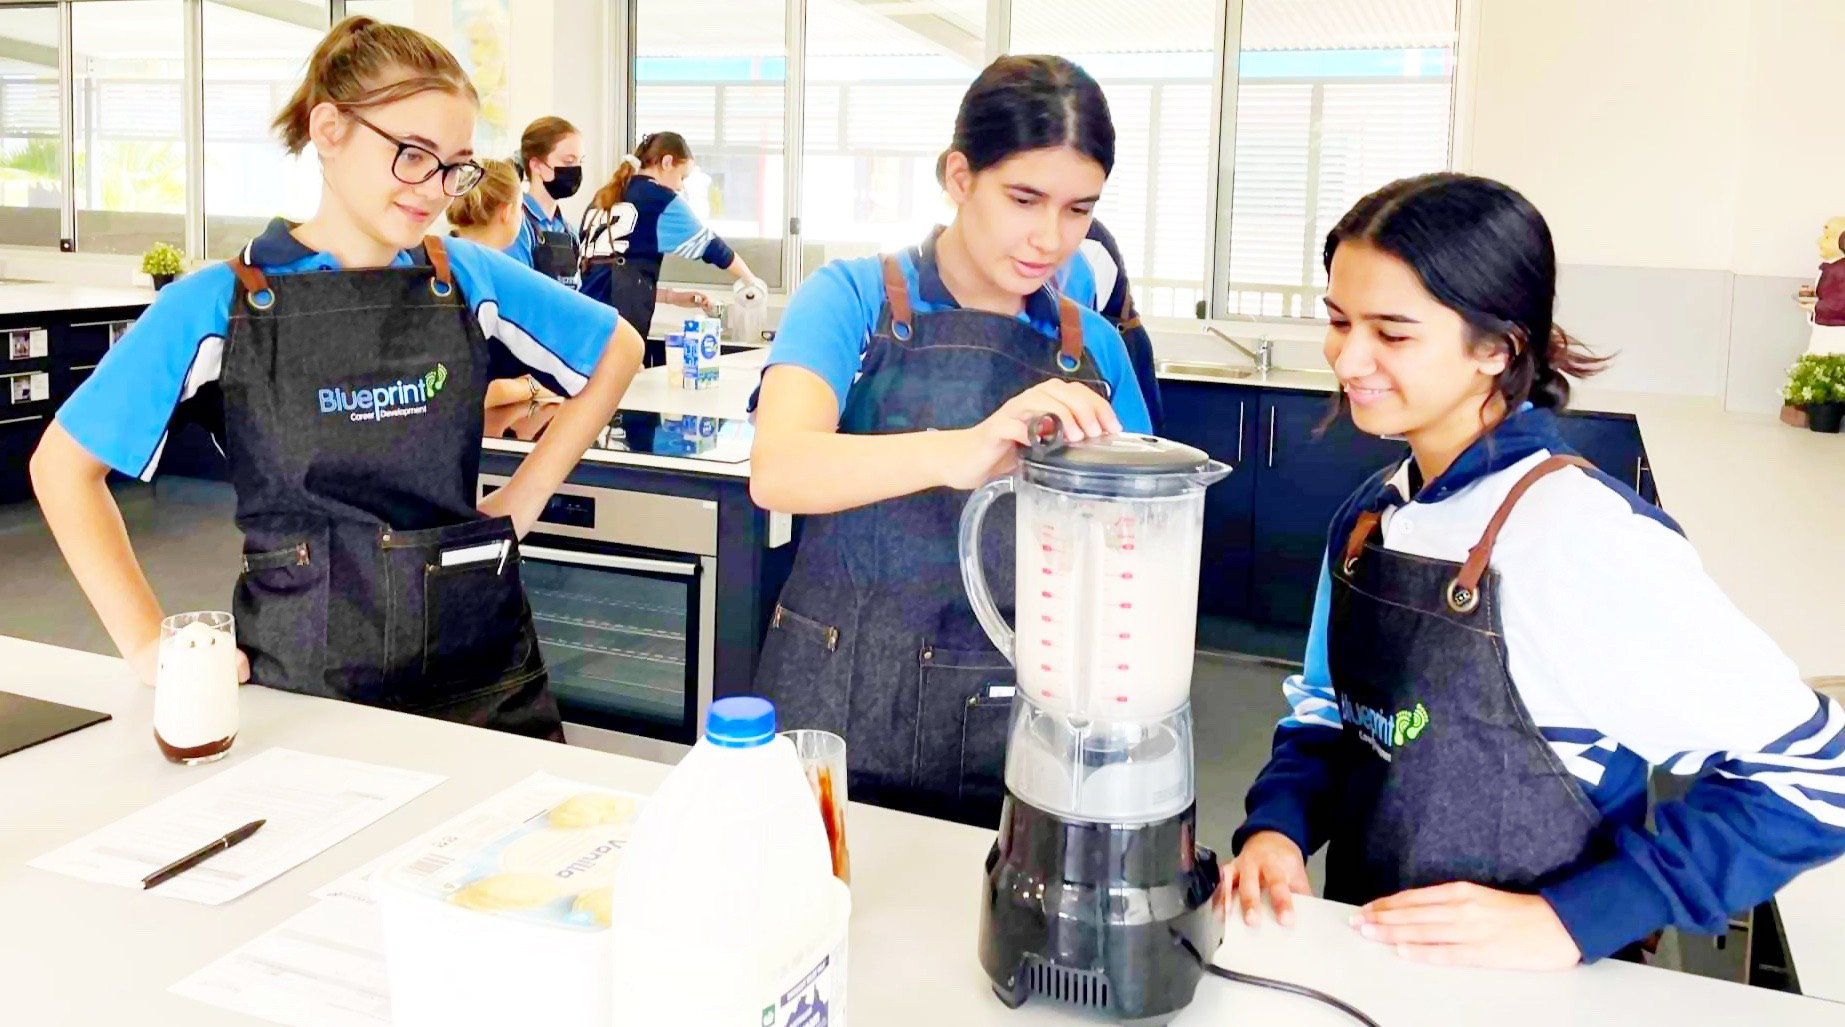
column 1267, row 982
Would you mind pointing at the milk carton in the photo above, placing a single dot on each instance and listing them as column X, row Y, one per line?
column 726, row 910
column 675, row 359
column 710, row 331
column 690, row 369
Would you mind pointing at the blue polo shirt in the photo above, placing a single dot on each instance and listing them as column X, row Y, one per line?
column 831, row 317
column 121, row 415
column 531, row 221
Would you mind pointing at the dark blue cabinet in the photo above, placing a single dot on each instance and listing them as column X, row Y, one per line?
column 1308, row 465
column 74, row 341
column 1221, row 420
column 1612, row 443
column 1265, row 525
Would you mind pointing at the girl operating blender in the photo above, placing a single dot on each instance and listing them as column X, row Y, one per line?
column 1506, row 641
column 893, row 383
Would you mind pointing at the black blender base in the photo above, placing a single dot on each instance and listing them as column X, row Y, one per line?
column 1016, row 998
column 1068, row 914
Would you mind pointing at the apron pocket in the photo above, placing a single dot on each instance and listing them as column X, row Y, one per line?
column 966, row 699
column 456, row 611
column 281, row 606
column 806, row 672
column 984, row 725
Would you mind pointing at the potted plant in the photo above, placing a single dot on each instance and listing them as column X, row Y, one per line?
column 163, row 262
column 1816, row 384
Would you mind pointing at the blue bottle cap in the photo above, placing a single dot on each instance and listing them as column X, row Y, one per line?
column 740, row 722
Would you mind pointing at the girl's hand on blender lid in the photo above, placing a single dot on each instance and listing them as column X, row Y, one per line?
column 989, row 449
column 1083, row 412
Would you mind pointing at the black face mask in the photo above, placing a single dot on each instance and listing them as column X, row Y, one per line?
column 565, row 182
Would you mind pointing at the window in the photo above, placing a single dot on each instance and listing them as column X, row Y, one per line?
column 1155, row 64
column 252, row 65
column 883, row 84
column 1334, row 99
column 128, row 76
column 31, row 137
column 714, row 71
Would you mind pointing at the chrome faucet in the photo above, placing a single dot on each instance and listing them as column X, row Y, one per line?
column 1263, row 355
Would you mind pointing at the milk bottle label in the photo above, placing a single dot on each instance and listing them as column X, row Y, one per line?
column 816, row 1000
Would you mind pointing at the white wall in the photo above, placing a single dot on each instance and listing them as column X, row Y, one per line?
column 1685, row 157
column 1791, row 174
column 1618, row 118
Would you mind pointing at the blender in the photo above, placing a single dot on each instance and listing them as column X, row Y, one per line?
column 1096, row 891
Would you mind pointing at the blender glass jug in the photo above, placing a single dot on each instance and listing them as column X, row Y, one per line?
column 1107, row 544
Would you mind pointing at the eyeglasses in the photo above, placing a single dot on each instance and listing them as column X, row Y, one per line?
column 415, row 165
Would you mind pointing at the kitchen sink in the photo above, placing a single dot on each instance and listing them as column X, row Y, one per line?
column 1204, row 370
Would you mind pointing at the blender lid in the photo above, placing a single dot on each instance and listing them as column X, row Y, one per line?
column 1120, row 453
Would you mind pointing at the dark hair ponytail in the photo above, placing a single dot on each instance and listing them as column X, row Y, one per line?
column 1484, row 252
column 1031, row 103
column 653, row 148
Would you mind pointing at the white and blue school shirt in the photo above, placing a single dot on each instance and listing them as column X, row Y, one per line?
column 532, row 220
column 649, row 222
column 122, row 413
column 830, row 319
column 1628, row 657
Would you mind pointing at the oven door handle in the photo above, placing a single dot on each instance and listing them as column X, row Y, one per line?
column 619, row 563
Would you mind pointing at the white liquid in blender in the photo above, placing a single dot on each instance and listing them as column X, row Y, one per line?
column 1107, row 603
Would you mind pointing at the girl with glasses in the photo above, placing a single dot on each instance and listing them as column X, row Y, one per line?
column 344, row 363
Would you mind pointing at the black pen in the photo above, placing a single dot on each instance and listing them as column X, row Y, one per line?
column 185, row 863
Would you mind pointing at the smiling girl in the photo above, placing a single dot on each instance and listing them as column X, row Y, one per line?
column 344, row 361
column 1506, row 640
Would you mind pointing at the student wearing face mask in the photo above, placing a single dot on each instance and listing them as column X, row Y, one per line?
column 345, row 360
column 895, row 384
column 551, row 162
column 635, row 220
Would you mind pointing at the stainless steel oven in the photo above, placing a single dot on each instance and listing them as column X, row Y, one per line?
column 623, row 587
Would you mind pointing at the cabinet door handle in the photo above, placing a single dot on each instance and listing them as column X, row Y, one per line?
column 1239, row 430
column 1271, row 436
column 1639, row 470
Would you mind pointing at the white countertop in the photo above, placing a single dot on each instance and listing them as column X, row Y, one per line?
column 77, row 954
column 653, row 392
column 49, row 297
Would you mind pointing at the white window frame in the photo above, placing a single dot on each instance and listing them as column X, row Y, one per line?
column 192, row 118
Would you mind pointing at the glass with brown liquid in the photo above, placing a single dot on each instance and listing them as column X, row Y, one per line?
column 823, row 756
column 195, row 690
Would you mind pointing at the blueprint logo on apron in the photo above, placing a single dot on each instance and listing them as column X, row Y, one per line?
column 401, row 398
column 1384, row 732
